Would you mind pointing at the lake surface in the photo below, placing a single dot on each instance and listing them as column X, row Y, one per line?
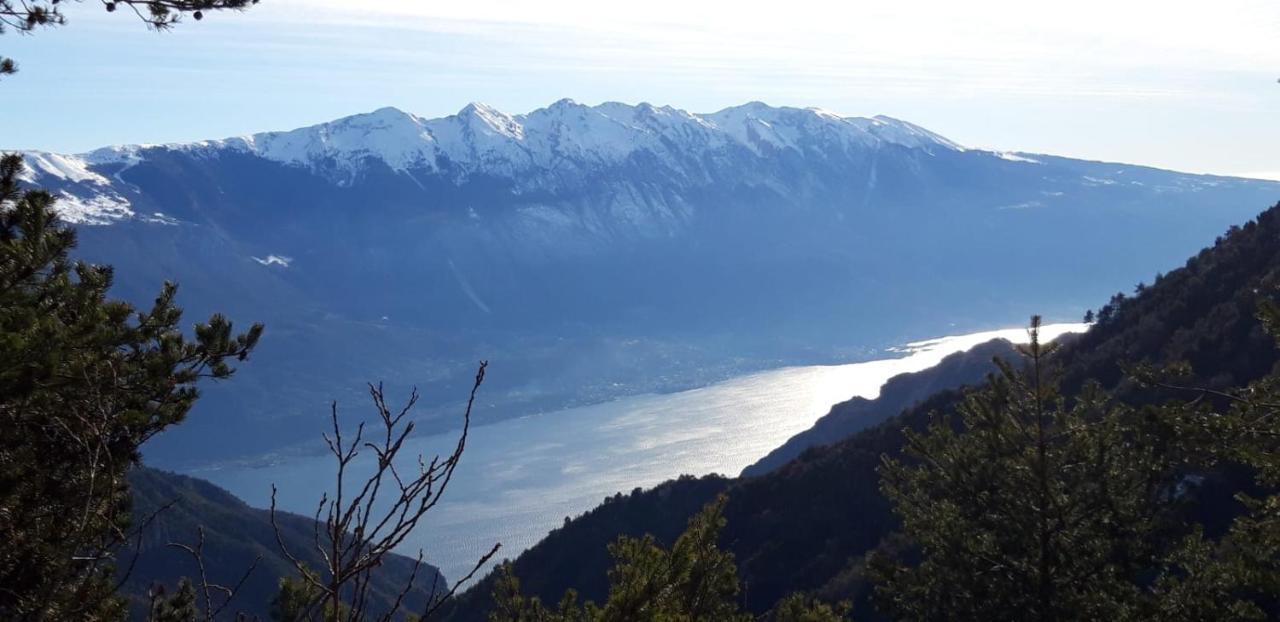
column 519, row 478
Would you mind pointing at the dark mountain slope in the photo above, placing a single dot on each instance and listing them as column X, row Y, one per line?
column 235, row 534
column 805, row 525
column 900, row 392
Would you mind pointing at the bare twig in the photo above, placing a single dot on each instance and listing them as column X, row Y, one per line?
column 137, row 549
column 435, row 603
column 361, row 527
column 207, row 587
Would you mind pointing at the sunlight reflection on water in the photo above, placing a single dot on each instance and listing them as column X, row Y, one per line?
column 519, row 478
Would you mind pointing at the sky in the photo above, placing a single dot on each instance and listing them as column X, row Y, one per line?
column 1189, row 86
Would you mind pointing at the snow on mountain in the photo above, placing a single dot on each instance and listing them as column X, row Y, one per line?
column 480, row 138
column 898, row 132
column 564, row 146
column 98, row 206
column 102, row 209
column 69, row 167
column 397, row 138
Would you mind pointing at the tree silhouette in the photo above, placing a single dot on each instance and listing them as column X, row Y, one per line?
column 26, row 16
column 366, row 518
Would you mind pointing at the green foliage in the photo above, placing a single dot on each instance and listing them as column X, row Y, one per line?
column 84, row 381
column 295, row 602
column 798, row 608
column 693, row 581
column 291, row 600
column 577, row 557
column 181, row 607
column 1032, row 508
column 1237, row 576
column 1029, row 506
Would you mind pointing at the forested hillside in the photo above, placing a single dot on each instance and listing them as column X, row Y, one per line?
column 807, row 525
column 235, row 536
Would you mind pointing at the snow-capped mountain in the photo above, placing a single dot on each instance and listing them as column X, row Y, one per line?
column 593, row 250
column 548, row 147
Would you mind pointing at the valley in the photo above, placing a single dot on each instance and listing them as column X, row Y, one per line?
column 524, row 476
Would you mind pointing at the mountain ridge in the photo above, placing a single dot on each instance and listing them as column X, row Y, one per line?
column 481, row 139
column 604, row 251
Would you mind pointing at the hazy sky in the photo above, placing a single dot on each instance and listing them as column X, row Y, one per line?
column 1183, row 85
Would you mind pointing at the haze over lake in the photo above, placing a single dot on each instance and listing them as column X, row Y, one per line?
column 521, row 477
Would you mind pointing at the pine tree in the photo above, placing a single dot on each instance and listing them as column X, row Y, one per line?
column 181, row 607
column 84, row 381
column 1236, row 576
column 693, row 581
column 1030, row 507
column 798, row 608
column 1026, row 508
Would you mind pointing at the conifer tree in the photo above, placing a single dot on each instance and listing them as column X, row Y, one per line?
column 797, row 608
column 1026, row 508
column 1236, row 576
column 181, row 607
column 1030, row 507
column 693, row 581
column 85, row 380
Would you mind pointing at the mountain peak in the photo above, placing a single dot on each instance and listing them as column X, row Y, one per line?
column 389, row 112
column 484, row 118
column 473, row 108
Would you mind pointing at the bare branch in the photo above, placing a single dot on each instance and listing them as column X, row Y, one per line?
column 437, row 603
column 361, row 526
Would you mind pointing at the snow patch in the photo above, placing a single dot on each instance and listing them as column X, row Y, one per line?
column 274, row 260
column 102, row 209
column 1014, row 157
column 159, row 218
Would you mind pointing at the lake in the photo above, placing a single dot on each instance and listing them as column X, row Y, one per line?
column 519, row 478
